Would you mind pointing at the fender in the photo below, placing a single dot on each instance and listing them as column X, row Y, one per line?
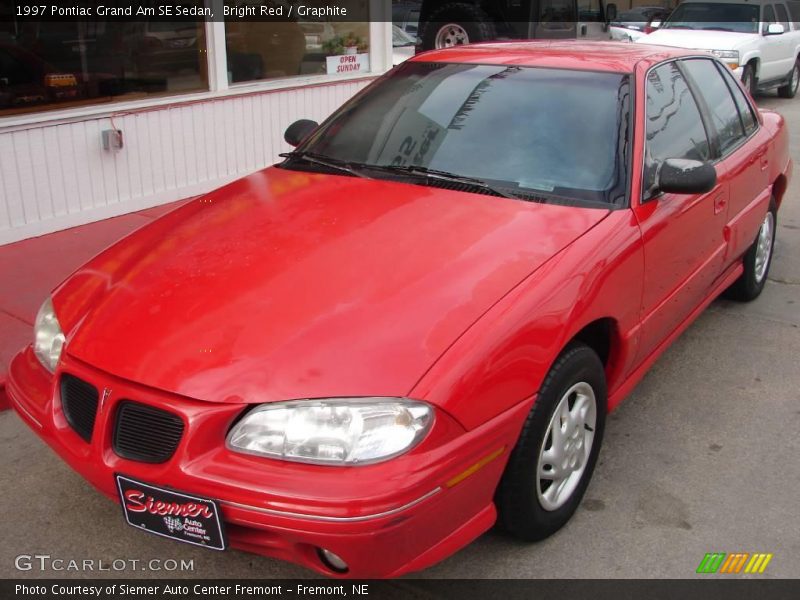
column 749, row 55
column 503, row 358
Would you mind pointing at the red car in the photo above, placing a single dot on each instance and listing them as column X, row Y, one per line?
column 359, row 359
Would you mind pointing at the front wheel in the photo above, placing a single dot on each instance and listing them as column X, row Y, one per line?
column 790, row 89
column 552, row 463
column 757, row 260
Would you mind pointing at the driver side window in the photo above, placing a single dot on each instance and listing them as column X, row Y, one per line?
column 769, row 16
column 674, row 126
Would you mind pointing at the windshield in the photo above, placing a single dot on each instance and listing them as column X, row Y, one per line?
column 742, row 18
column 549, row 133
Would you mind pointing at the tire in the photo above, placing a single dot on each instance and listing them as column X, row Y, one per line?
column 757, row 260
column 467, row 24
column 790, row 89
column 749, row 79
column 525, row 510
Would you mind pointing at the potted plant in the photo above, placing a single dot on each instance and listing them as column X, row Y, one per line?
column 345, row 44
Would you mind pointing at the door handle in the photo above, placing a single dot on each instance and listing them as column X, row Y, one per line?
column 761, row 158
column 720, row 201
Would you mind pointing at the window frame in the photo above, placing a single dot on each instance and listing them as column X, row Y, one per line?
column 733, row 84
column 712, row 140
column 705, row 115
column 705, row 111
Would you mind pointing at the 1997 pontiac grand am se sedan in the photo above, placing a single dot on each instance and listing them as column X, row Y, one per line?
column 361, row 358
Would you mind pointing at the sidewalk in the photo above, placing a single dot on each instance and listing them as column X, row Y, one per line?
column 30, row 269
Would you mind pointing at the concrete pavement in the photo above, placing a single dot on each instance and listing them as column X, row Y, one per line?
column 703, row 456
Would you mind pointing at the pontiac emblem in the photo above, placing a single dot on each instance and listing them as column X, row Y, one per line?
column 104, row 397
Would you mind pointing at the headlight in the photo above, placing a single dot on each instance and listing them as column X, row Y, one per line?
column 727, row 55
column 333, row 432
column 48, row 337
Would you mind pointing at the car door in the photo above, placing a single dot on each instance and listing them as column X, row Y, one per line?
column 787, row 43
column 682, row 234
column 742, row 150
column 772, row 48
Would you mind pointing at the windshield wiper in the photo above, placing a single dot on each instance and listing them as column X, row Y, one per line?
column 444, row 176
column 325, row 161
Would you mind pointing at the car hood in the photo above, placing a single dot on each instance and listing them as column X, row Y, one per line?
column 289, row 285
column 700, row 40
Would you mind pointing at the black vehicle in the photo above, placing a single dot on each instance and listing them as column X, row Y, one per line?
column 445, row 23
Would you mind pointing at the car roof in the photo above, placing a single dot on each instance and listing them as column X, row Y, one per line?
column 615, row 57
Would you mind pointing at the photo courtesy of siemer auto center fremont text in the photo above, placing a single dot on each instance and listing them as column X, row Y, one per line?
column 399, row 298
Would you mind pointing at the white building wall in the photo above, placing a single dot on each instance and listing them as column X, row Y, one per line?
column 57, row 175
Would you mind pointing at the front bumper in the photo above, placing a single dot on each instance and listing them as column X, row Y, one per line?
column 384, row 520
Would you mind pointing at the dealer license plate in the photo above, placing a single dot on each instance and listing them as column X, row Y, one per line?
column 171, row 514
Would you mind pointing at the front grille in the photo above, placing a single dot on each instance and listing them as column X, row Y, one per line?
column 79, row 401
column 146, row 434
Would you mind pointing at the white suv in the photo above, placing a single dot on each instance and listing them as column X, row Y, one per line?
column 756, row 38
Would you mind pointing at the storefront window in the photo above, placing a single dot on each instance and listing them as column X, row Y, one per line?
column 260, row 50
column 52, row 65
column 89, row 60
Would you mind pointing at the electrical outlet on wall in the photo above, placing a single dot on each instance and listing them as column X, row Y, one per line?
column 112, row 140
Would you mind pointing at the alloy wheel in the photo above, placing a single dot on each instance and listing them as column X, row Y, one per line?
column 451, row 35
column 567, row 446
column 764, row 246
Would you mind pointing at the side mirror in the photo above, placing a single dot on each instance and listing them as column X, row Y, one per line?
column 611, row 12
column 298, row 131
column 684, row 176
column 774, row 29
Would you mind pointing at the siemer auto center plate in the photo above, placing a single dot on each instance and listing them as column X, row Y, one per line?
column 171, row 514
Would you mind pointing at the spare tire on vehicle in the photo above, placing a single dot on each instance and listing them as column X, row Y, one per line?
column 456, row 24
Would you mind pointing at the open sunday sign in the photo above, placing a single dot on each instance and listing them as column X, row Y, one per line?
column 348, row 63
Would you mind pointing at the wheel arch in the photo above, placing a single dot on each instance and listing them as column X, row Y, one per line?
column 604, row 337
column 755, row 60
column 598, row 336
column 779, row 188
